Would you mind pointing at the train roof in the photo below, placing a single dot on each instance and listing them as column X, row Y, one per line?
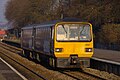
column 52, row 23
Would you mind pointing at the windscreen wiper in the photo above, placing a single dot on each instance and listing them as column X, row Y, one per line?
column 82, row 29
column 80, row 32
column 64, row 29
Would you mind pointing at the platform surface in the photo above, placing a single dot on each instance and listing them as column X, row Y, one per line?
column 107, row 55
column 6, row 73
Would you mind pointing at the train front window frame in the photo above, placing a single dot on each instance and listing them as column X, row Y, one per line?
column 73, row 32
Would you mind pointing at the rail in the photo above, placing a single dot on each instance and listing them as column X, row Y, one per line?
column 13, row 50
column 80, row 74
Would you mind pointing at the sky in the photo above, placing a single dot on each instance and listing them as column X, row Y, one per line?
column 2, row 10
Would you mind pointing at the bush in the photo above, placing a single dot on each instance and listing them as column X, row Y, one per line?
column 109, row 34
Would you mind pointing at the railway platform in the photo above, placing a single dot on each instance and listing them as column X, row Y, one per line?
column 7, row 72
column 106, row 60
column 107, row 55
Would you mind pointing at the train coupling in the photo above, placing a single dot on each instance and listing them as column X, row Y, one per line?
column 73, row 59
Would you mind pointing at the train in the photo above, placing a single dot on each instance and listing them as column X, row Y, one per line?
column 3, row 34
column 65, row 43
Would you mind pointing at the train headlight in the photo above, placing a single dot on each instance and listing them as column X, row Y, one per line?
column 58, row 49
column 88, row 50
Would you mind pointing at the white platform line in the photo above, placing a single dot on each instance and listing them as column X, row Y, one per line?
column 107, row 61
column 13, row 69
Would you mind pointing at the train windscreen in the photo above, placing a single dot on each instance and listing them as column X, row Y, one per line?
column 73, row 32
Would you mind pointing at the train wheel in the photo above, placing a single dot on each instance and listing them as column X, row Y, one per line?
column 27, row 54
column 23, row 53
column 34, row 56
column 31, row 55
column 38, row 57
column 52, row 62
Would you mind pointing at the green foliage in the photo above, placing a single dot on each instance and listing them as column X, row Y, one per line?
column 98, row 12
column 23, row 12
column 109, row 34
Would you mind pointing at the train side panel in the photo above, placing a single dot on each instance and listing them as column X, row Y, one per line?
column 27, row 38
column 43, row 40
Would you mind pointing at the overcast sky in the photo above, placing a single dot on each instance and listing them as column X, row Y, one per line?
column 2, row 10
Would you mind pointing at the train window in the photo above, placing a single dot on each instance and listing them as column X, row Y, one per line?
column 73, row 32
column 61, row 32
column 38, row 33
column 27, row 34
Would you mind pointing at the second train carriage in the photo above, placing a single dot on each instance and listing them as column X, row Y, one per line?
column 61, row 43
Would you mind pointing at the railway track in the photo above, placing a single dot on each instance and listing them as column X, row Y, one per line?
column 16, row 50
column 11, row 48
column 73, row 74
column 81, row 75
column 7, row 51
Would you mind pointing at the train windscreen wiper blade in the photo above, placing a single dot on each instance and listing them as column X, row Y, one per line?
column 80, row 32
column 82, row 29
column 64, row 29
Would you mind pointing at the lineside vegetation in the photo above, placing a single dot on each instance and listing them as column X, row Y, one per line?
column 103, row 14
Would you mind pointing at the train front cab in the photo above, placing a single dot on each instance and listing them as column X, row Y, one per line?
column 73, row 44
